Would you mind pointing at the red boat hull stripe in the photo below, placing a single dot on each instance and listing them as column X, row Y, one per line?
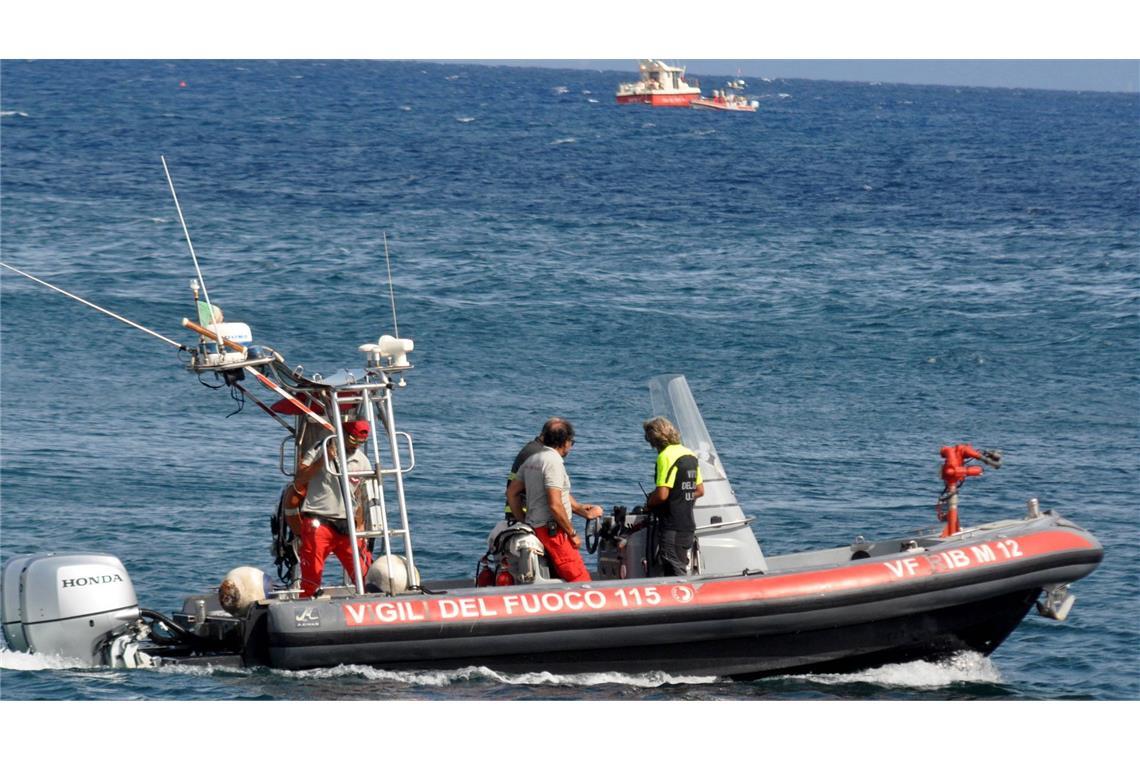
column 677, row 99
column 545, row 601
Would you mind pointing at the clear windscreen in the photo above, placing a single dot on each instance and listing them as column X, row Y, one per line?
column 671, row 398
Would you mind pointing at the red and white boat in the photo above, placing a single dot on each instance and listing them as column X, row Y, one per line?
column 722, row 101
column 738, row 612
column 660, row 85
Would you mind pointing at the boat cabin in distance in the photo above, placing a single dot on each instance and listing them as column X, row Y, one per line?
column 660, row 85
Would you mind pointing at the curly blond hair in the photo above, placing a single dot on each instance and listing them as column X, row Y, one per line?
column 659, row 432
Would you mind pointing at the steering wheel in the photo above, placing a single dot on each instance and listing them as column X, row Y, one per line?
column 593, row 534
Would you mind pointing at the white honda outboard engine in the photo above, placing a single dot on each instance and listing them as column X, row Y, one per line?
column 65, row 604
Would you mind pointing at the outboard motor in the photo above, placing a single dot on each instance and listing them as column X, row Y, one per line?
column 65, row 604
column 514, row 555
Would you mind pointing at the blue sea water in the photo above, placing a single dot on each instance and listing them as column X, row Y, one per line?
column 850, row 278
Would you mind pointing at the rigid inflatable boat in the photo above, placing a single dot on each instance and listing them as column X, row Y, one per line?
column 739, row 613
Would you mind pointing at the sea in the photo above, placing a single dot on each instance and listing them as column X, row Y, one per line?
column 850, row 278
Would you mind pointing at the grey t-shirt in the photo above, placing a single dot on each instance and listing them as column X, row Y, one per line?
column 544, row 470
column 532, row 448
column 324, row 496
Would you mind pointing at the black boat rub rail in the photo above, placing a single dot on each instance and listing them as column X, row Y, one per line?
column 529, row 602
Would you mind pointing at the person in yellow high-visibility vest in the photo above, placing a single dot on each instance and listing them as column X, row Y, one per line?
column 678, row 482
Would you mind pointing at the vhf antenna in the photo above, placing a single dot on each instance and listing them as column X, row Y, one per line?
column 391, row 290
column 392, row 297
column 94, row 306
column 201, row 281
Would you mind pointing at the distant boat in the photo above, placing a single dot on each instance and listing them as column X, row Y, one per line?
column 660, row 85
column 722, row 101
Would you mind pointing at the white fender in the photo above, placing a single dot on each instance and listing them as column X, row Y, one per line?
column 242, row 588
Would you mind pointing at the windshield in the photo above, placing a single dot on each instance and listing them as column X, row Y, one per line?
column 671, row 398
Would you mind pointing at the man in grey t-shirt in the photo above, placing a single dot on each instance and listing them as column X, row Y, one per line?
column 530, row 449
column 545, row 485
column 324, row 515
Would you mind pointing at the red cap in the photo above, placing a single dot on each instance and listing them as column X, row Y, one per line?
column 357, row 429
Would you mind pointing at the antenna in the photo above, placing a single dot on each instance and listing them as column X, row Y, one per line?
column 185, row 231
column 391, row 290
column 96, row 307
column 194, row 256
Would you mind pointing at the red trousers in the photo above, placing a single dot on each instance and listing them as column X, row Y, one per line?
column 567, row 561
column 318, row 540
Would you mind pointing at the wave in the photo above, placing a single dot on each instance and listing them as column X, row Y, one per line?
column 181, row 668
column 14, row 113
column 465, row 119
column 24, row 661
column 13, row 660
column 649, row 680
column 965, row 667
column 564, row 140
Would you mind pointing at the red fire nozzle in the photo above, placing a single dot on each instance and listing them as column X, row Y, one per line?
column 954, row 473
column 954, row 470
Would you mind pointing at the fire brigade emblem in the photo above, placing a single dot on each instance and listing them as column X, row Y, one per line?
column 682, row 594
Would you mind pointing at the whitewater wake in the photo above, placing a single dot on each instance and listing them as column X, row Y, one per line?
column 965, row 667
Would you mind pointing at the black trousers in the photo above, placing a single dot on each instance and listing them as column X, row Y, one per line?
column 673, row 551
